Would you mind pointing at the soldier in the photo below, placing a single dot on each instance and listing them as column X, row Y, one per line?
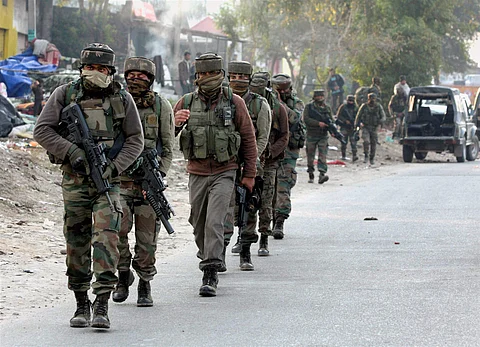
column 375, row 88
column 215, row 127
column 315, row 117
column 369, row 117
column 157, row 121
column 113, row 119
column 271, row 157
column 286, row 174
column 335, row 84
column 240, row 73
column 346, row 119
column 396, row 107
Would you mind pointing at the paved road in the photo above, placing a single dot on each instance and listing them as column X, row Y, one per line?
column 410, row 278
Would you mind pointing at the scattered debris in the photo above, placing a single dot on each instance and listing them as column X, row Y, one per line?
column 370, row 218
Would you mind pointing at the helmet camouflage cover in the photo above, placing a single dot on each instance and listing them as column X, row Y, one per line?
column 208, row 62
column 141, row 64
column 282, row 81
column 260, row 79
column 98, row 53
column 242, row 67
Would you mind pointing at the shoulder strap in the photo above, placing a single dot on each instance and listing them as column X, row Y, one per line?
column 187, row 101
column 72, row 91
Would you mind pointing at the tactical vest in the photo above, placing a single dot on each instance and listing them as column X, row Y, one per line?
column 150, row 119
column 398, row 104
column 210, row 133
column 371, row 115
column 298, row 132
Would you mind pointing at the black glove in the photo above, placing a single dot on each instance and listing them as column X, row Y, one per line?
column 78, row 160
column 110, row 171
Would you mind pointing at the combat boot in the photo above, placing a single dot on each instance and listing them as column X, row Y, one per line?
column 355, row 157
column 100, row 312
column 144, row 294
column 245, row 259
column 81, row 317
column 372, row 160
column 323, row 178
column 237, row 247
column 125, row 280
column 209, row 282
column 311, row 177
column 365, row 160
column 223, row 267
column 277, row 231
column 263, row 250
column 344, row 155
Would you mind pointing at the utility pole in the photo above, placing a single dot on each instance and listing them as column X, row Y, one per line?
column 32, row 20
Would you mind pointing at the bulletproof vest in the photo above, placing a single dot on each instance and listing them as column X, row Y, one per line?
column 398, row 103
column 150, row 119
column 322, row 112
column 347, row 112
column 371, row 115
column 210, row 133
column 297, row 126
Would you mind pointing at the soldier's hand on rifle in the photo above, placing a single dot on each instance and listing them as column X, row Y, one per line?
column 78, row 159
column 322, row 124
column 248, row 182
column 110, row 171
column 181, row 116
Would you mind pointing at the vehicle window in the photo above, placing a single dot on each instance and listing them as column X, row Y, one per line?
column 437, row 106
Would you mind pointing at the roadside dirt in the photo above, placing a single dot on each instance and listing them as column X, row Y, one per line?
column 32, row 263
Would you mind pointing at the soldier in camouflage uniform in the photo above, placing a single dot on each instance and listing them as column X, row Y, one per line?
column 215, row 128
column 89, row 222
column 369, row 118
column 315, row 117
column 240, row 73
column 346, row 119
column 286, row 173
column 271, row 157
column 157, row 121
column 396, row 107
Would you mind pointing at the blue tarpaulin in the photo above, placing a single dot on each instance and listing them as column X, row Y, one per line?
column 13, row 72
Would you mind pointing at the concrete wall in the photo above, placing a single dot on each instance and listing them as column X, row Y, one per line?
column 20, row 16
column 9, row 39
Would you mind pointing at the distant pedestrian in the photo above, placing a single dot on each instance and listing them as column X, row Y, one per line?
column 335, row 85
column 402, row 84
column 184, row 73
column 37, row 89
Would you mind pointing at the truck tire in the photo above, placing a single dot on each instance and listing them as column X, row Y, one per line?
column 472, row 150
column 421, row 155
column 407, row 153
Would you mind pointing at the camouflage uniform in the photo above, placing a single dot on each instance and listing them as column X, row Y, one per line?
column 286, row 173
column 157, row 122
column 396, row 107
column 370, row 116
column 109, row 112
column 317, row 137
column 346, row 120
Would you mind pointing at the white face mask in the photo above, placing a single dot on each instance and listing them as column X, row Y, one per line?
column 97, row 78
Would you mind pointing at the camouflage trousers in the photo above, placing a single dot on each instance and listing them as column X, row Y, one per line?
column 319, row 143
column 137, row 210
column 348, row 136
column 209, row 196
column 370, row 138
column 398, row 121
column 286, row 180
column 82, row 233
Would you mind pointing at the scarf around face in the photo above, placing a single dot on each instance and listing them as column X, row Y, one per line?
column 95, row 80
column 141, row 93
column 209, row 85
column 239, row 87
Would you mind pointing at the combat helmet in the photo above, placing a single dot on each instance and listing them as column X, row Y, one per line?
column 241, row 67
column 141, row 64
column 98, row 53
column 208, row 62
column 282, row 81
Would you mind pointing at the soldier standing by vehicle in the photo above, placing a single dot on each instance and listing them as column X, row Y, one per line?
column 157, row 121
column 369, row 117
column 346, row 119
column 239, row 75
column 396, row 107
column 286, row 173
column 271, row 157
column 215, row 128
column 113, row 120
column 315, row 117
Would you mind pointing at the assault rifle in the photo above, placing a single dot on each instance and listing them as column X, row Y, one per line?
column 332, row 129
column 79, row 133
column 149, row 175
column 247, row 202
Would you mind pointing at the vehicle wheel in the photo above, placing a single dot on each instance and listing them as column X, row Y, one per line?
column 461, row 159
column 407, row 154
column 472, row 150
column 421, row 155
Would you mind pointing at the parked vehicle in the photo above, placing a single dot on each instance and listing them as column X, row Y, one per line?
column 439, row 120
column 476, row 111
